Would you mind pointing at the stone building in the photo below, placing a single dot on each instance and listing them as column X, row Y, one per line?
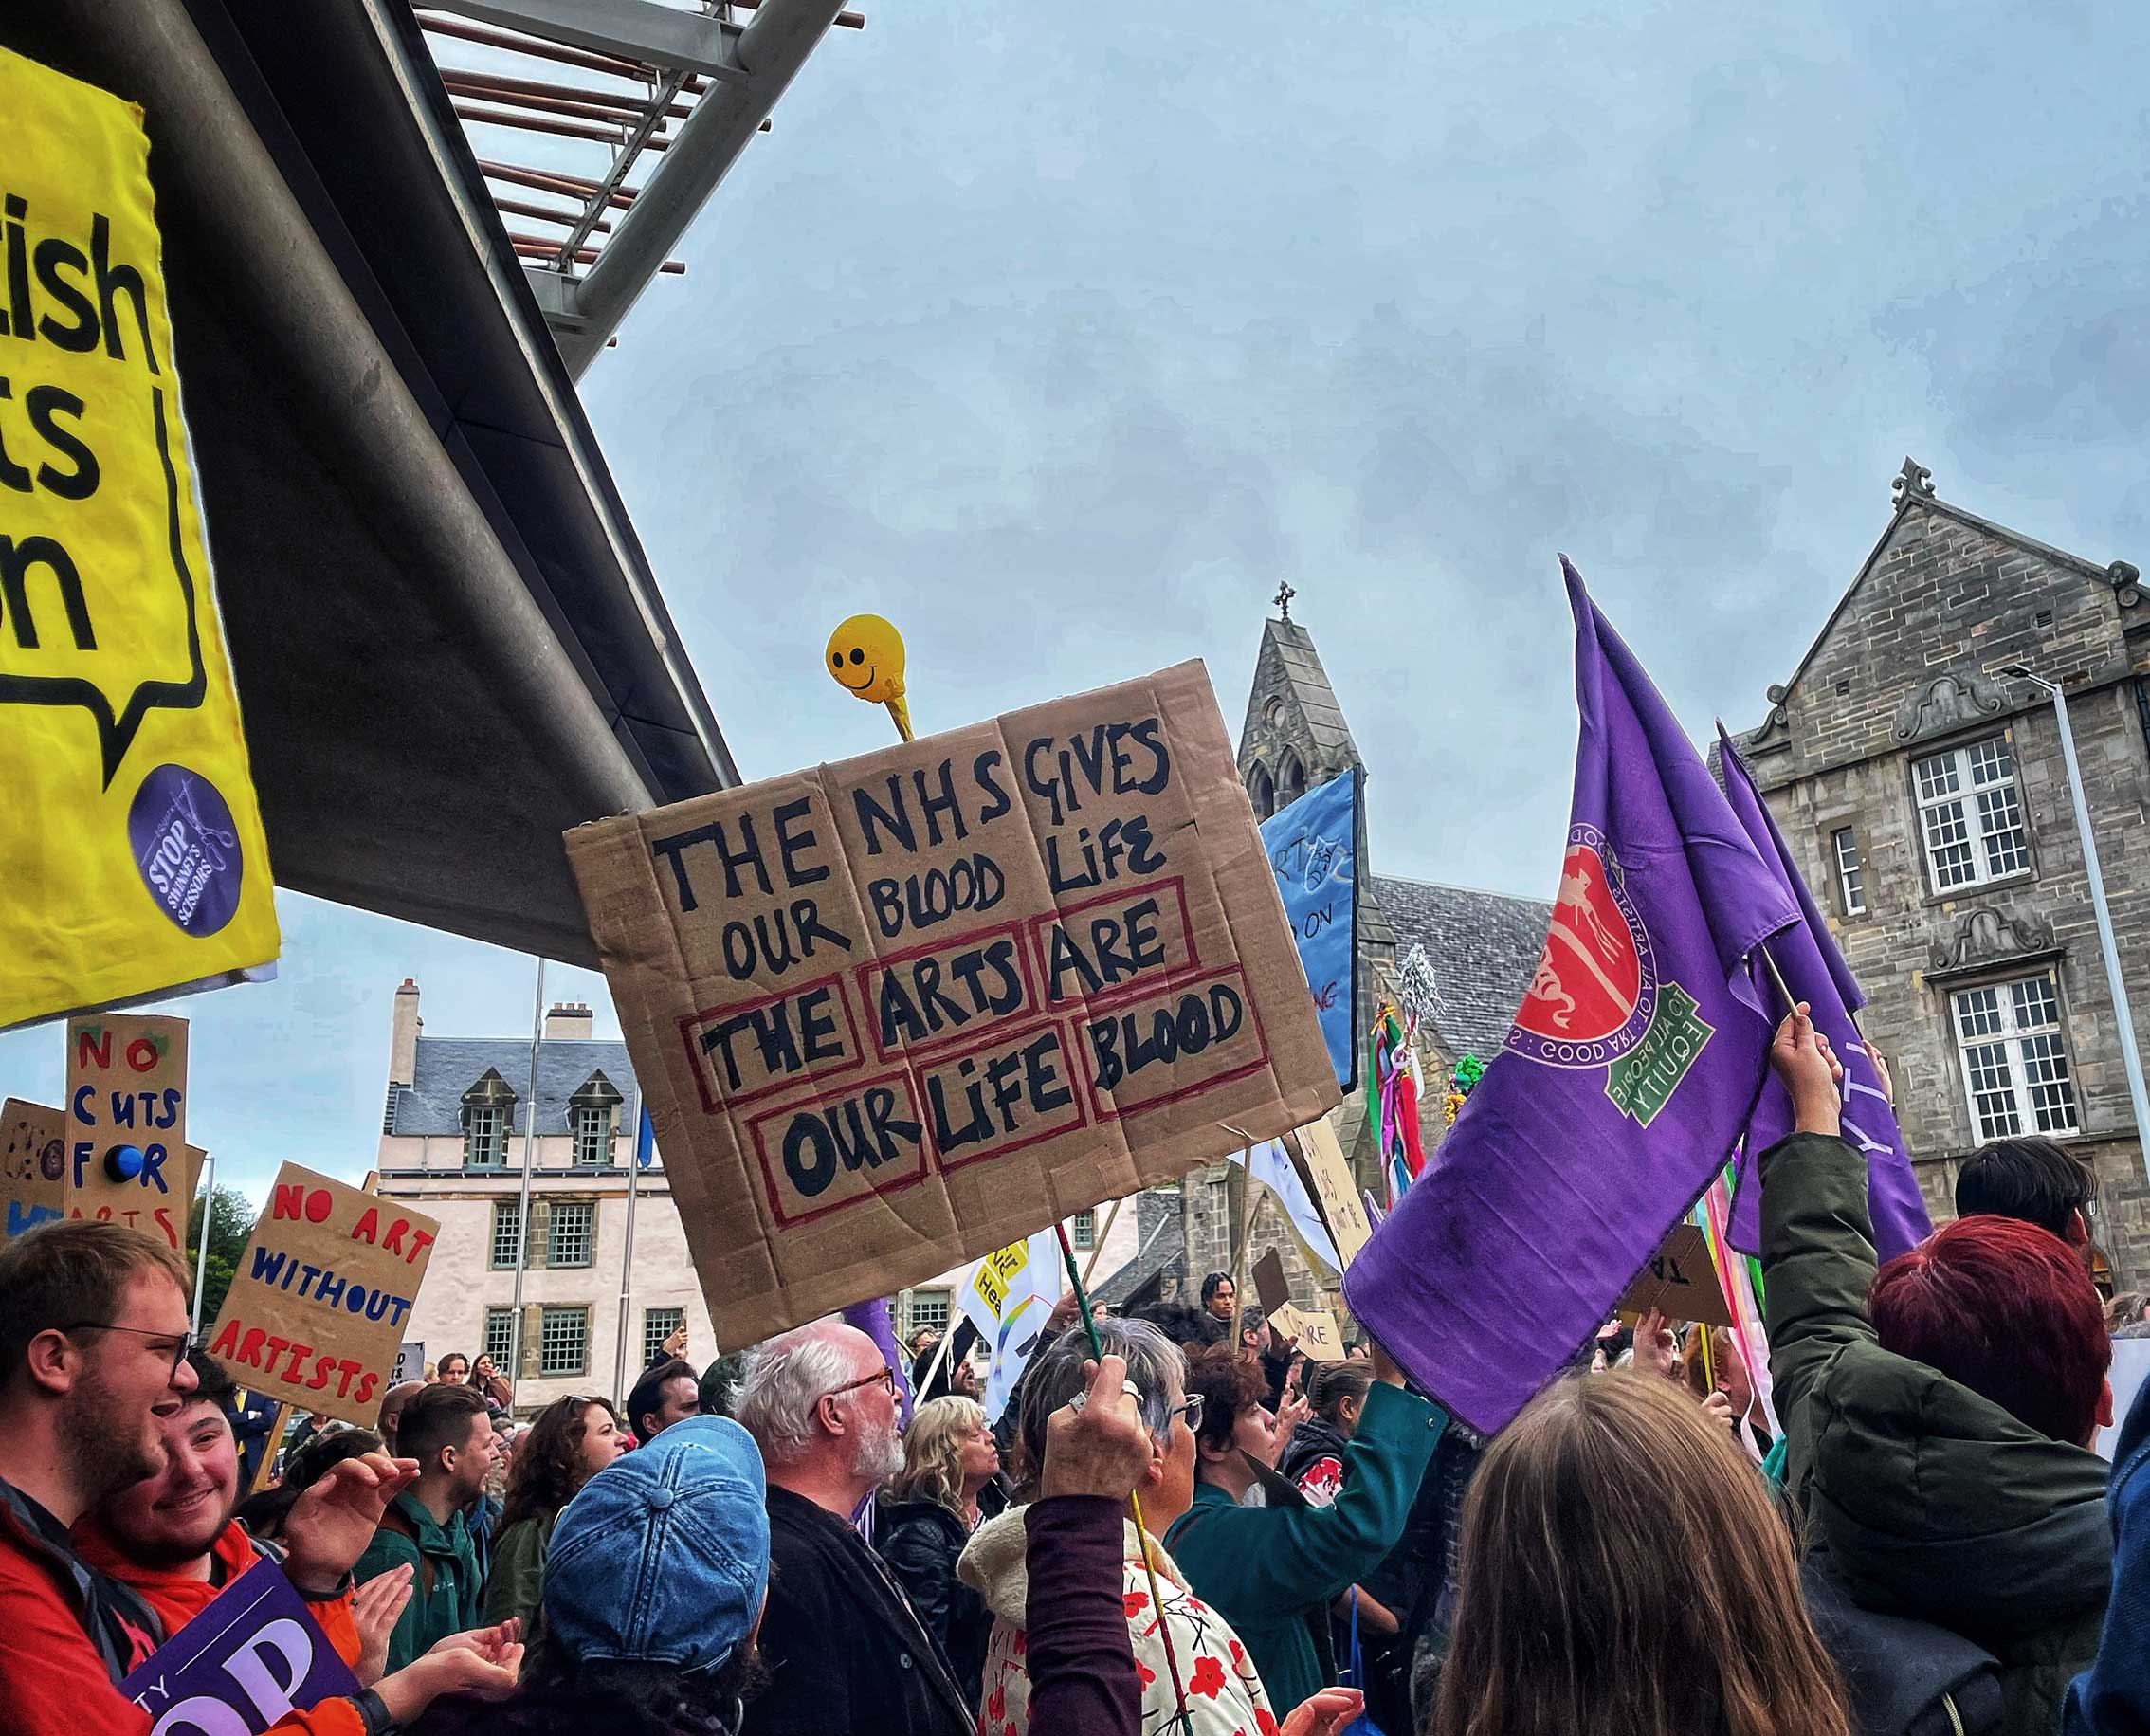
column 1483, row 945
column 451, row 1144
column 1925, row 792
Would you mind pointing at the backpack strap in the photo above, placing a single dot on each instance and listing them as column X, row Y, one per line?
column 400, row 1524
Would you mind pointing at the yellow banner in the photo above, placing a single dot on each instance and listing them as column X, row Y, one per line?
column 131, row 849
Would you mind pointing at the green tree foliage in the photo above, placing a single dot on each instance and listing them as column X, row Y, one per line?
column 230, row 1217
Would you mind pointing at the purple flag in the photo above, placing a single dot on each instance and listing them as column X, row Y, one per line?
column 1814, row 971
column 252, row 1656
column 1631, row 1066
column 872, row 1318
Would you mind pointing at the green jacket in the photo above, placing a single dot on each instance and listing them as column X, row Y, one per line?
column 517, row 1580
column 444, row 1585
column 1270, row 1571
column 1920, row 1497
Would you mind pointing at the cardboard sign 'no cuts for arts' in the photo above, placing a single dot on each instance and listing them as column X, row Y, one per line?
column 894, row 1013
column 323, row 1296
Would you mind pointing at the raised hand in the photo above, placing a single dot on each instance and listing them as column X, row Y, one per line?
column 1812, row 1075
column 1655, row 1347
column 333, row 1521
column 1098, row 1446
column 1325, row 1715
column 375, row 1607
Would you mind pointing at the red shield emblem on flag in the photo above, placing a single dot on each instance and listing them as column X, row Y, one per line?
column 1591, row 998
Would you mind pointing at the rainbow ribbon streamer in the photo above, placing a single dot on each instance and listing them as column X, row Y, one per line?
column 1739, row 1276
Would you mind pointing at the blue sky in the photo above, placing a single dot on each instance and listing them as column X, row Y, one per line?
column 1061, row 335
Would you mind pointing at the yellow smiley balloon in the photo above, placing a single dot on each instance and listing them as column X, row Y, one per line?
column 866, row 658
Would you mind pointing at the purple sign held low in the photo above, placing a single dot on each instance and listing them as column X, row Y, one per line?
column 254, row 1656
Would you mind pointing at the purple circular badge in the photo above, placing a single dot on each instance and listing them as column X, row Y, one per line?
column 187, row 849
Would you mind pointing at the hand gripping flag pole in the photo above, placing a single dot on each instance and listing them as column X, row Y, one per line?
column 1134, row 1496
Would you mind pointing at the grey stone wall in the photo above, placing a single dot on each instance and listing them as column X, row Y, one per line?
column 1909, row 666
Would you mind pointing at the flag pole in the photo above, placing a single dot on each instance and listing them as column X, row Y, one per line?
column 1777, row 977
column 626, row 1256
column 939, row 1354
column 201, row 1243
column 1111, row 1218
column 1134, row 1496
column 529, row 1157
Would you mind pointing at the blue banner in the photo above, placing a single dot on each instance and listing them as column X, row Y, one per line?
column 1313, row 846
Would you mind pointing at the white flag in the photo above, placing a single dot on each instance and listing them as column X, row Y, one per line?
column 1271, row 1165
column 1007, row 1296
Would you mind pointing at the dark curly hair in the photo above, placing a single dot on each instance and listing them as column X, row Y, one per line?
column 547, row 1462
column 558, row 1696
column 1228, row 1387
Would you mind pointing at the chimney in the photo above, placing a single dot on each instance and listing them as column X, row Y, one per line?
column 403, row 1035
column 569, row 1020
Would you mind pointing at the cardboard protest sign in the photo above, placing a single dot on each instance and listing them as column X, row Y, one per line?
column 1315, row 1328
column 323, row 1292
column 33, row 1163
column 254, row 1656
column 127, row 1092
column 409, row 1362
column 1313, row 846
column 1680, row 1282
column 894, row 1013
column 1335, row 1193
column 138, row 866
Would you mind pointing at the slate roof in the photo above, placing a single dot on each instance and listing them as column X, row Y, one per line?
column 448, row 1067
column 1161, row 1245
column 1484, row 948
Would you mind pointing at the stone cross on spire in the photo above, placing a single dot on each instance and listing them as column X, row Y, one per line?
column 1282, row 598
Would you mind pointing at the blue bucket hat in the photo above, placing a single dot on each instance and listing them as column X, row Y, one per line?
column 662, row 1557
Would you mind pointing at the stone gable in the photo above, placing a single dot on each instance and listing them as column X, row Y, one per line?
column 1910, row 664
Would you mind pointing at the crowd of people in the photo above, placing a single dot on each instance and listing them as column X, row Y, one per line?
column 1180, row 1526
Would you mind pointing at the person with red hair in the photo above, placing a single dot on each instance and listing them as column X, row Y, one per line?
column 1938, row 1412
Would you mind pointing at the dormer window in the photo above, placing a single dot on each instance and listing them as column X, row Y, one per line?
column 592, row 1119
column 1261, row 791
column 489, row 1109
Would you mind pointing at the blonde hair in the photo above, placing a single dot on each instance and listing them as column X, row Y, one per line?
column 1621, row 1567
column 933, row 1453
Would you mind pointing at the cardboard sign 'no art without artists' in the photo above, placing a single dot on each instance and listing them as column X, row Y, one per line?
column 323, row 1296
column 894, row 1013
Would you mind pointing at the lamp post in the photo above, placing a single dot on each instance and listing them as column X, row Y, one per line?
column 2131, row 1060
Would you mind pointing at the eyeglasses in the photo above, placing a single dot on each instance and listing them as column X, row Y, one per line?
column 1192, row 1410
column 884, row 1374
column 186, row 1345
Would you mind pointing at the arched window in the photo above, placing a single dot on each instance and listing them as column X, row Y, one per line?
column 1291, row 781
column 1261, row 791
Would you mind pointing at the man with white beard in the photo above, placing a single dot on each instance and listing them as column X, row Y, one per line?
column 843, row 1649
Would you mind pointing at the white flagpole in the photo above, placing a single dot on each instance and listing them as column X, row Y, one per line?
column 201, row 1248
column 529, row 1158
column 627, row 1255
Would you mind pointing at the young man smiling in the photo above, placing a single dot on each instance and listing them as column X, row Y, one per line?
column 172, row 1538
column 94, row 1370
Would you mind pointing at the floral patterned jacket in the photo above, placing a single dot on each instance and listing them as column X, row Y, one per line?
column 1224, row 1696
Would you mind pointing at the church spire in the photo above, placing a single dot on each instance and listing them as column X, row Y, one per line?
column 1294, row 736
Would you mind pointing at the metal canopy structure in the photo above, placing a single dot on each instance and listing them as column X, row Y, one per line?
column 448, row 644
column 604, row 93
